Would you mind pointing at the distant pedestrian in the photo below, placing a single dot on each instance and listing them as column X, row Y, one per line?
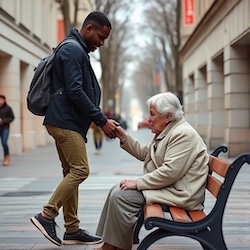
column 108, row 113
column 6, row 117
column 98, row 138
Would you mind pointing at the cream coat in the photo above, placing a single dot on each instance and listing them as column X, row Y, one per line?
column 175, row 166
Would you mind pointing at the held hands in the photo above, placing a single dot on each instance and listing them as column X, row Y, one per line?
column 120, row 133
column 113, row 129
column 110, row 128
column 128, row 184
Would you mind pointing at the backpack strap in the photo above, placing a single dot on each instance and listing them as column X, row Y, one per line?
column 70, row 40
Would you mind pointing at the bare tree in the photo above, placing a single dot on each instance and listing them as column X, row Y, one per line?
column 164, row 22
column 114, row 55
column 143, row 75
column 67, row 11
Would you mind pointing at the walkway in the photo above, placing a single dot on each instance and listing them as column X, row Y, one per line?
column 28, row 182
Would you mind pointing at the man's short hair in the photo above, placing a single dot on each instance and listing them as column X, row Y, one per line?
column 97, row 18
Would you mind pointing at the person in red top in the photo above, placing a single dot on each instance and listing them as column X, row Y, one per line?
column 6, row 117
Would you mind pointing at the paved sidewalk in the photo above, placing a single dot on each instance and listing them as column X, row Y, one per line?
column 30, row 179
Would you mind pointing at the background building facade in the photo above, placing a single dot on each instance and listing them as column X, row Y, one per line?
column 28, row 31
column 215, row 55
column 216, row 71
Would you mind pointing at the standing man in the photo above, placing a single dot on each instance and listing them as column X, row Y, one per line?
column 6, row 117
column 67, row 120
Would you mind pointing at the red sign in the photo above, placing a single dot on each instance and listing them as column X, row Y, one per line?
column 188, row 12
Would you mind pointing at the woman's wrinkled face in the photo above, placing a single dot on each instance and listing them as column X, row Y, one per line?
column 157, row 121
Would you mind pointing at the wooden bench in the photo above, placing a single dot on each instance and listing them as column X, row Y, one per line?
column 205, row 228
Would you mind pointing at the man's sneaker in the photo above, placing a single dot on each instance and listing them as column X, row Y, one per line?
column 80, row 237
column 47, row 228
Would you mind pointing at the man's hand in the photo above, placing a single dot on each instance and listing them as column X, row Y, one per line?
column 110, row 128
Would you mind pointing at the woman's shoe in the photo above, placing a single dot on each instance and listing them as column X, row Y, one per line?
column 6, row 161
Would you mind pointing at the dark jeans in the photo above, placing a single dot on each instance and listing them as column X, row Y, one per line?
column 4, row 133
column 98, row 144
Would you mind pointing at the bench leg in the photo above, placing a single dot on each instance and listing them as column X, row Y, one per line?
column 218, row 242
column 138, row 226
column 151, row 238
column 207, row 244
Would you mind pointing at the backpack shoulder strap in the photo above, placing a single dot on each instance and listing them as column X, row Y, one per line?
column 69, row 40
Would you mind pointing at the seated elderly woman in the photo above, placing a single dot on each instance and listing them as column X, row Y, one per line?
column 175, row 172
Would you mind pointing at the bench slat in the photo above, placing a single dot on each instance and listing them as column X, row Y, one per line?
column 213, row 185
column 197, row 215
column 179, row 214
column 153, row 210
column 218, row 166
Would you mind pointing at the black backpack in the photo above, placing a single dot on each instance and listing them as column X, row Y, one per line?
column 39, row 94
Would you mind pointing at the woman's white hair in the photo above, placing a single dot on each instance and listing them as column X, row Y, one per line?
column 167, row 103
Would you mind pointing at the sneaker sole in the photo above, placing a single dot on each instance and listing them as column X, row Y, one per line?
column 39, row 226
column 77, row 242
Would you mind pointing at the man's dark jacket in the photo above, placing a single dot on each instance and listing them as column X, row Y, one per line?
column 78, row 105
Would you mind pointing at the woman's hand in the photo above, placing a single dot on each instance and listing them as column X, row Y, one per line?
column 121, row 134
column 128, row 184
